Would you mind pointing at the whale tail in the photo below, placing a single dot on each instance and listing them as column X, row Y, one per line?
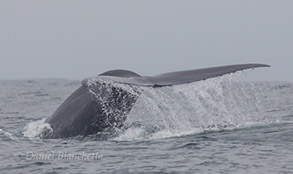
column 182, row 77
column 100, row 104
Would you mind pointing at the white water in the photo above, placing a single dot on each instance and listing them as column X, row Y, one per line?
column 213, row 104
column 37, row 129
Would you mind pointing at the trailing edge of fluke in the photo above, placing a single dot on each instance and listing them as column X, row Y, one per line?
column 95, row 107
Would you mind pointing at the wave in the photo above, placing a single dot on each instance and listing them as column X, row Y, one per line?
column 6, row 135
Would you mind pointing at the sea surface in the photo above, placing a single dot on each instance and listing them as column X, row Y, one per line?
column 218, row 125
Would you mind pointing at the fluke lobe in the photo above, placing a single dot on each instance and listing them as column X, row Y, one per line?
column 104, row 101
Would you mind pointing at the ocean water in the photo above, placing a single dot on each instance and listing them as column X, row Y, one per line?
column 215, row 126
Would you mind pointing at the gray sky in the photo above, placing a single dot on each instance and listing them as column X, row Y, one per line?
column 75, row 39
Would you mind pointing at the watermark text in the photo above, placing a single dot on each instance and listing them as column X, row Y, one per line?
column 59, row 156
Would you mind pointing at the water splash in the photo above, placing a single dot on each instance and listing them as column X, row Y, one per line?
column 6, row 135
column 37, row 129
column 213, row 104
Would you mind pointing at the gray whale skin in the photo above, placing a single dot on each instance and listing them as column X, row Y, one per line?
column 101, row 103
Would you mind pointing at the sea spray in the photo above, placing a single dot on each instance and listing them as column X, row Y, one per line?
column 37, row 129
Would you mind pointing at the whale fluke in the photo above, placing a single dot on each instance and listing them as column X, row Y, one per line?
column 98, row 105
column 182, row 77
column 172, row 78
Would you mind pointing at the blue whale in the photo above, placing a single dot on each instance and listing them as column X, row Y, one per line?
column 103, row 101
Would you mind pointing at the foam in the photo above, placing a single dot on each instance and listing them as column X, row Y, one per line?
column 37, row 129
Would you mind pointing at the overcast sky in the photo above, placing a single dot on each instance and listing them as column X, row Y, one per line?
column 75, row 39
